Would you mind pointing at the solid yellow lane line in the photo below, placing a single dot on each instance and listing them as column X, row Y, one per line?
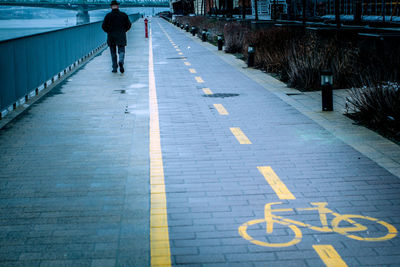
column 192, row 71
column 199, row 79
column 277, row 185
column 187, row 63
column 240, row 136
column 221, row 109
column 159, row 235
column 207, row 91
column 329, row 256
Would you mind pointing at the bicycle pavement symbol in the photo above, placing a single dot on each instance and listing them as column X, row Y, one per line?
column 261, row 231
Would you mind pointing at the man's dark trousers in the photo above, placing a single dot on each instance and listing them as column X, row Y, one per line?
column 121, row 55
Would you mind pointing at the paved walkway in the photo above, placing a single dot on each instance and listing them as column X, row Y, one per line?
column 229, row 174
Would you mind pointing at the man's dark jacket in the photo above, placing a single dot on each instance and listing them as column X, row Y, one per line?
column 116, row 24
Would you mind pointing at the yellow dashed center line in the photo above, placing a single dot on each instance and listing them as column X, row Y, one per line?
column 192, row 71
column 187, row 63
column 159, row 235
column 277, row 185
column 207, row 91
column 180, row 53
column 329, row 256
column 221, row 109
column 199, row 79
column 240, row 136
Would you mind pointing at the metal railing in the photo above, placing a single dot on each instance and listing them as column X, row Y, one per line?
column 27, row 64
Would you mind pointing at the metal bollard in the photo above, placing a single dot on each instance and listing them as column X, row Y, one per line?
column 204, row 35
column 145, row 28
column 326, row 90
column 187, row 27
column 193, row 30
column 220, row 41
column 250, row 56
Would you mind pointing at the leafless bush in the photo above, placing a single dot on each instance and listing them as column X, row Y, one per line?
column 235, row 34
column 213, row 26
column 377, row 106
column 272, row 47
column 308, row 56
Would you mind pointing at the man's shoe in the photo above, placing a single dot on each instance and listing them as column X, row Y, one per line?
column 114, row 71
column 121, row 67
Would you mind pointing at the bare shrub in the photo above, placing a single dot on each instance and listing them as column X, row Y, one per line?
column 213, row 26
column 377, row 106
column 272, row 47
column 375, row 66
column 308, row 56
column 235, row 34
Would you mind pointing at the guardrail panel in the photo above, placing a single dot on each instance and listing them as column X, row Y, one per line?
column 7, row 74
column 20, row 67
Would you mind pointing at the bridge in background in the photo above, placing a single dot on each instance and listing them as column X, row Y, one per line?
column 83, row 6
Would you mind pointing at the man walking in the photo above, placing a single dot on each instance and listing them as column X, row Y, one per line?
column 116, row 24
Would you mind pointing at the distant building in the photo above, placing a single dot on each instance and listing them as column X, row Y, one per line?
column 266, row 7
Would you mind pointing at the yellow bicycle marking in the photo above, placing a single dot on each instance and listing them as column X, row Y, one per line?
column 270, row 220
column 245, row 235
column 392, row 232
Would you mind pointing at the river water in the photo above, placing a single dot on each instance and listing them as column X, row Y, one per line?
column 17, row 22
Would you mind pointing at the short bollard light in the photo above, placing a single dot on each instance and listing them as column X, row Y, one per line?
column 182, row 26
column 326, row 90
column 187, row 27
column 193, row 30
column 250, row 56
column 220, row 41
column 204, row 35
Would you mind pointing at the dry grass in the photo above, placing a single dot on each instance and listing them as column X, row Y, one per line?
column 377, row 106
column 235, row 37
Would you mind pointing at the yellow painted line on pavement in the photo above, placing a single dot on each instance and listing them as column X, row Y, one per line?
column 221, row 109
column 180, row 53
column 329, row 256
column 240, row 136
column 178, row 49
column 199, row 79
column 159, row 236
column 277, row 185
column 192, row 71
column 187, row 63
column 207, row 91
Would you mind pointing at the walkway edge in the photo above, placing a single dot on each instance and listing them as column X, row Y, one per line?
column 159, row 235
column 379, row 151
